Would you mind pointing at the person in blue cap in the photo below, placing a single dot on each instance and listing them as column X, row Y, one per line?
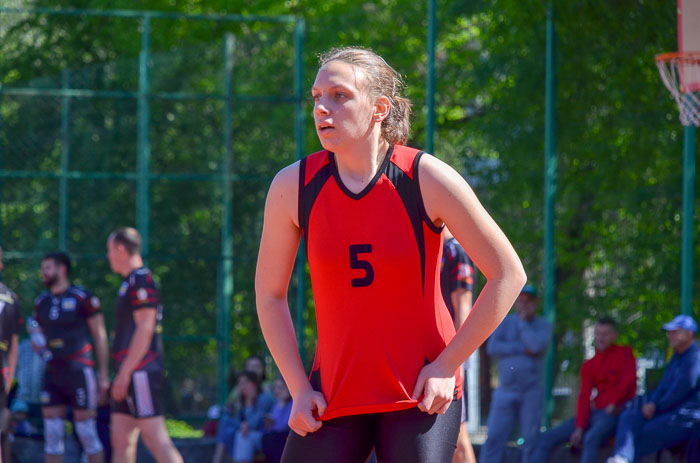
column 663, row 419
column 519, row 343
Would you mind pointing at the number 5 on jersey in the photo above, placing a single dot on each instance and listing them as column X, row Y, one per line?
column 359, row 264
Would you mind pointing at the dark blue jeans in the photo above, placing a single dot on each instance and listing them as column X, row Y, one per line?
column 601, row 427
column 636, row 436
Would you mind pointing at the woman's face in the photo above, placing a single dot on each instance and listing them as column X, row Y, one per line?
column 255, row 365
column 343, row 111
column 246, row 386
column 280, row 390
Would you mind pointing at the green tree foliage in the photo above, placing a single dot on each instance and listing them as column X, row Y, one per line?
column 619, row 145
column 619, row 149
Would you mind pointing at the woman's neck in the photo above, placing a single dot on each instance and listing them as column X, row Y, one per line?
column 358, row 165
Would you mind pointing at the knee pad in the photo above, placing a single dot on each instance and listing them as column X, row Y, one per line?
column 54, row 431
column 87, row 433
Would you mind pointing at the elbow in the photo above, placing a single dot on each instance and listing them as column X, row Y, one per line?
column 266, row 302
column 262, row 301
column 519, row 275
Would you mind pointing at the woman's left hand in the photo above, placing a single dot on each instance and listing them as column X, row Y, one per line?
column 437, row 386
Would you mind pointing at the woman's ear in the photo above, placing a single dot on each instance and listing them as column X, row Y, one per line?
column 381, row 109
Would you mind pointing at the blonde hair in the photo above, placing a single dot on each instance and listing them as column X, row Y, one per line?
column 383, row 80
column 128, row 237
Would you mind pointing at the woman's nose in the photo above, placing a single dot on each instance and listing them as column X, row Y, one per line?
column 320, row 108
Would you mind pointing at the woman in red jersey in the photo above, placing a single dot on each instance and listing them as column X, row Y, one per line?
column 371, row 213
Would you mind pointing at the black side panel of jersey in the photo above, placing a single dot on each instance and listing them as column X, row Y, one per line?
column 308, row 195
column 409, row 191
column 10, row 325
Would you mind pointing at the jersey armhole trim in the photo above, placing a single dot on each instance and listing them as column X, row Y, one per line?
column 300, row 193
column 423, row 212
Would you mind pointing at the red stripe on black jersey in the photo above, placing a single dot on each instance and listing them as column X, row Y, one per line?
column 138, row 292
column 374, row 258
column 121, row 355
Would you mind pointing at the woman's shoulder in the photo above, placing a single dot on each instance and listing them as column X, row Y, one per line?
column 287, row 174
column 432, row 168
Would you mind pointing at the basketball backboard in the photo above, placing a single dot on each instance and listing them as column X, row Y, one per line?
column 688, row 26
column 689, row 42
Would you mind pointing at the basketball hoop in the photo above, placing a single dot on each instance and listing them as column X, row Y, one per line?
column 681, row 75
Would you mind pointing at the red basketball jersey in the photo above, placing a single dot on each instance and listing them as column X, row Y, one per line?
column 374, row 259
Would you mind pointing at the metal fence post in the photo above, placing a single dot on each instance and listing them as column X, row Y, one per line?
column 63, row 199
column 550, row 188
column 223, row 313
column 1, row 164
column 299, row 141
column 144, row 146
column 688, row 209
column 430, row 96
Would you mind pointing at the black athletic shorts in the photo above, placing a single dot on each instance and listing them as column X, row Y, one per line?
column 77, row 388
column 405, row 436
column 465, row 401
column 144, row 399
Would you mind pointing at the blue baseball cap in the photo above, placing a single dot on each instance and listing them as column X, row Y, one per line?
column 19, row 406
column 529, row 289
column 681, row 322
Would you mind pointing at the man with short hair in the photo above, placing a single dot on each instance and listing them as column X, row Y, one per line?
column 137, row 350
column 10, row 327
column 612, row 373
column 659, row 423
column 69, row 316
column 520, row 343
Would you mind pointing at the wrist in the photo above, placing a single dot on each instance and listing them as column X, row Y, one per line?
column 299, row 389
column 444, row 365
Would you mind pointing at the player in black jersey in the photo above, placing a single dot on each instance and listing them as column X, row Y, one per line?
column 457, row 285
column 69, row 317
column 138, row 356
column 10, row 327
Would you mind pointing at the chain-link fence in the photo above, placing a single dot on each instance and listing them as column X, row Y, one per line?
column 171, row 123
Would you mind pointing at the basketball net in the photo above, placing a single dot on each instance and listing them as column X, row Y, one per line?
column 681, row 75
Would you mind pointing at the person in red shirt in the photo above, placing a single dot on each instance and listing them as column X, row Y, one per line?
column 612, row 374
column 371, row 212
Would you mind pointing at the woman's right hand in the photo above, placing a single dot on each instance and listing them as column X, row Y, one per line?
column 305, row 408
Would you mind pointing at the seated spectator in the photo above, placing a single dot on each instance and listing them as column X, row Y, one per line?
column 30, row 376
column 692, row 453
column 251, row 413
column 20, row 424
column 238, row 409
column 658, row 423
column 277, row 423
column 256, row 364
column 612, row 373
